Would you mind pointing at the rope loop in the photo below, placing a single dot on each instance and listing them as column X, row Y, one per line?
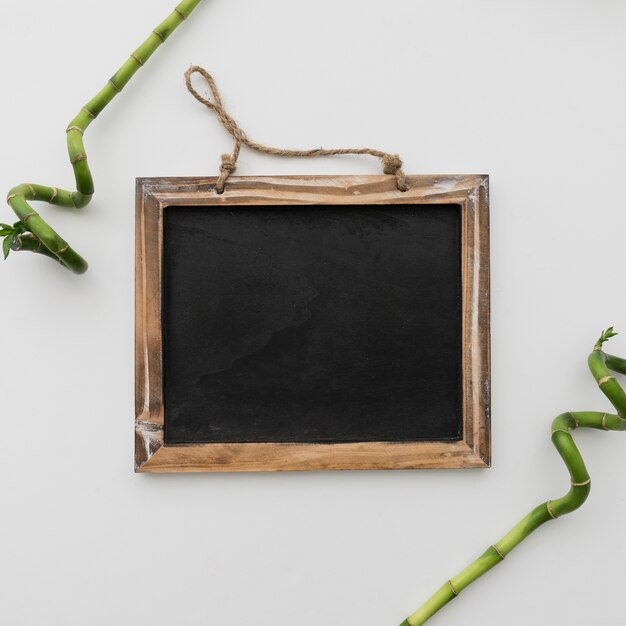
column 392, row 163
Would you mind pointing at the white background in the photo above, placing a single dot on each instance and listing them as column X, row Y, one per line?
column 532, row 93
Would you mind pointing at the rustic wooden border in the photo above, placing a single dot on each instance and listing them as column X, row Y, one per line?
column 155, row 194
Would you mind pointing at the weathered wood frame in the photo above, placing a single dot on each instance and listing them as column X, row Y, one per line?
column 154, row 195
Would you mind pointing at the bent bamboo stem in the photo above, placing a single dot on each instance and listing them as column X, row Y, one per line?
column 599, row 363
column 19, row 197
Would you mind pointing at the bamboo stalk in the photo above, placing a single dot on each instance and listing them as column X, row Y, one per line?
column 600, row 365
column 20, row 197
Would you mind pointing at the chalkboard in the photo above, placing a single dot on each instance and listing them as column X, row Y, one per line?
column 321, row 324
column 315, row 325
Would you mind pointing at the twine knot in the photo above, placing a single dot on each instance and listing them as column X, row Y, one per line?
column 392, row 164
column 227, row 167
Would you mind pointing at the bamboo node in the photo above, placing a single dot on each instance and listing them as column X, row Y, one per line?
column 561, row 430
column 550, row 511
column 134, row 56
column 604, row 422
column 76, row 128
column 159, row 35
column 10, row 197
column 182, row 15
column 27, row 217
column 454, row 591
column 605, row 379
column 79, row 157
column 55, row 193
column 583, row 484
column 112, row 83
column 89, row 113
column 495, row 547
column 32, row 191
column 37, row 249
column 65, row 248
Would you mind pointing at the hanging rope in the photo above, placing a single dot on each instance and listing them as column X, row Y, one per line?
column 392, row 164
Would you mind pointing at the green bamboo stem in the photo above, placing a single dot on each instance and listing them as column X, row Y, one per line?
column 600, row 365
column 19, row 197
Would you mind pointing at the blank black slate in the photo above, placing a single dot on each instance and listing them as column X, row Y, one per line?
column 316, row 324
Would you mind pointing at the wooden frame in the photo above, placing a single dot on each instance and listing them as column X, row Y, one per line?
column 473, row 450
